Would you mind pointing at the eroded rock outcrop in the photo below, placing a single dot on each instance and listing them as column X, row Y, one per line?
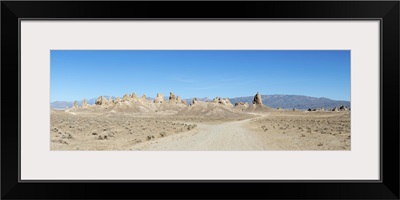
column 215, row 100
column 257, row 100
column 159, row 98
column 227, row 102
column 75, row 106
column 194, row 101
column 101, row 101
column 222, row 101
column 183, row 102
column 117, row 100
column 134, row 96
column 343, row 108
column 172, row 97
column 245, row 104
column 84, row 103
column 318, row 109
column 126, row 97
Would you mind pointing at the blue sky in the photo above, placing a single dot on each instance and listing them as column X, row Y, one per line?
column 78, row 74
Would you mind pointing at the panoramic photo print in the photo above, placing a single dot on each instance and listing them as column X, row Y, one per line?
column 200, row 100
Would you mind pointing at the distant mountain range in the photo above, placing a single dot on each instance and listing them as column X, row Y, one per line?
column 64, row 104
column 294, row 101
column 274, row 101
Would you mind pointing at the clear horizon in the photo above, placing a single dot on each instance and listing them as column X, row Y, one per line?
column 79, row 74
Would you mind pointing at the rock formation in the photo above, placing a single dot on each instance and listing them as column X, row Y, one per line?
column 343, row 108
column 216, row 100
column 117, row 100
column 172, row 97
column 257, row 100
column 134, row 96
column 126, row 97
column 178, row 99
column 318, row 109
column 159, row 98
column 101, row 101
column 84, row 103
column 111, row 100
column 194, row 101
column 222, row 101
column 335, row 108
column 75, row 105
column 183, row 102
column 144, row 97
column 227, row 102
column 245, row 104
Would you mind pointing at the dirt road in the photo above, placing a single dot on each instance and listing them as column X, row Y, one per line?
column 229, row 136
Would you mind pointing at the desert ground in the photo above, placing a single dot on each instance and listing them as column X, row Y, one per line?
column 132, row 124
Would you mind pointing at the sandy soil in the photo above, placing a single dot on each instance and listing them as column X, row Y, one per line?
column 214, row 130
column 87, row 131
column 288, row 130
column 229, row 136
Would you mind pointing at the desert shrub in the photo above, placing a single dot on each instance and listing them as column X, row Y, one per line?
column 163, row 134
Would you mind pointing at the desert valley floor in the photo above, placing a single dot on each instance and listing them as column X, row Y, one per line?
column 206, row 126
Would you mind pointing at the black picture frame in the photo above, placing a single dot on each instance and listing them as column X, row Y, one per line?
column 386, row 11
